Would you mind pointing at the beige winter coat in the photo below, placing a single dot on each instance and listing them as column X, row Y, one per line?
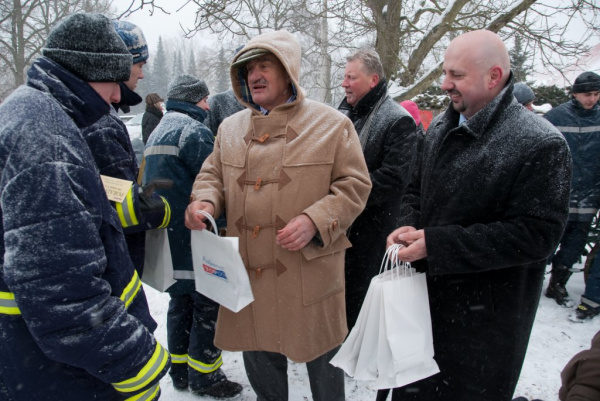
column 303, row 157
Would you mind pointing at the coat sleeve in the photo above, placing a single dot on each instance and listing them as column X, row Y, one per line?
column 195, row 144
column 581, row 376
column 399, row 156
column 208, row 185
column 530, row 225
column 55, row 261
column 114, row 156
column 348, row 190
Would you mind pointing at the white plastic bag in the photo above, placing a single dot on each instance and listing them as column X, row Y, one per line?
column 219, row 271
column 158, row 265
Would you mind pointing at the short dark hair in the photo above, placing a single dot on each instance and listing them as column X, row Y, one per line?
column 371, row 61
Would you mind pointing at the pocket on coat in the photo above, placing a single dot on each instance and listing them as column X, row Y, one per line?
column 322, row 270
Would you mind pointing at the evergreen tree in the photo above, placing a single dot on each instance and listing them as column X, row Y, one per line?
column 222, row 81
column 192, row 68
column 160, row 77
column 551, row 94
column 520, row 60
column 177, row 64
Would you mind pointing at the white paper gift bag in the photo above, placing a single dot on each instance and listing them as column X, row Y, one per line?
column 219, row 271
column 392, row 341
column 158, row 265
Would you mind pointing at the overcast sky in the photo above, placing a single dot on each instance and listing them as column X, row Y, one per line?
column 161, row 24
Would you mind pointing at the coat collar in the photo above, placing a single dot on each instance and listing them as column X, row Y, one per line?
column 576, row 104
column 477, row 125
column 187, row 108
column 75, row 96
column 128, row 98
column 366, row 104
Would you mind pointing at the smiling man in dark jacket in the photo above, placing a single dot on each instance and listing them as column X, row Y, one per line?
column 485, row 208
column 388, row 138
column 74, row 320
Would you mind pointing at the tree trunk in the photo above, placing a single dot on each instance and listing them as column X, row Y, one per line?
column 325, row 70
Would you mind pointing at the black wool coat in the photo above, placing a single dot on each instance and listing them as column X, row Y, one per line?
column 492, row 196
column 390, row 152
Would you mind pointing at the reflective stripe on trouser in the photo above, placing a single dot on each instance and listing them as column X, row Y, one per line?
column 147, row 395
column 197, row 365
column 8, row 305
column 126, row 211
column 179, row 358
column 204, row 367
column 147, row 374
column 131, row 290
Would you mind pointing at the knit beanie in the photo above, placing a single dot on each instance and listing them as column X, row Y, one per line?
column 88, row 46
column 523, row 93
column 187, row 88
column 134, row 39
column 586, row 82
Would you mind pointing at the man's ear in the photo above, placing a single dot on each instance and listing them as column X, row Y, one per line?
column 374, row 81
column 495, row 77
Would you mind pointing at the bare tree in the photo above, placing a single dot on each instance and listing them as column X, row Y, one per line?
column 409, row 35
column 24, row 27
column 412, row 34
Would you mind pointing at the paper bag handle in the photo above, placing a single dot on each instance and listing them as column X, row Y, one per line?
column 210, row 218
column 391, row 259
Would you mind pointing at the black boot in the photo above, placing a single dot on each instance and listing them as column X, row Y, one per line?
column 558, row 280
column 221, row 390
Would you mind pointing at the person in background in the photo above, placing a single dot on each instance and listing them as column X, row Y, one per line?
column 152, row 115
column 388, row 139
column 222, row 105
column 589, row 307
column 290, row 174
column 136, row 43
column 524, row 95
column 413, row 109
column 579, row 122
column 115, row 157
column 483, row 212
column 74, row 320
column 176, row 150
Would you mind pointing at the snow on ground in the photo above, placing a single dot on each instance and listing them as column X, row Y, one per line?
column 554, row 340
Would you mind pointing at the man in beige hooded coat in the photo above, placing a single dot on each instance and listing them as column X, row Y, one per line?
column 290, row 174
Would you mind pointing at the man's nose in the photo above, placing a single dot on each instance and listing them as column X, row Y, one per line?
column 446, row 85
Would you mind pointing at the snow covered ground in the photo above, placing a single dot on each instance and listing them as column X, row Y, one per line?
column 554, row 340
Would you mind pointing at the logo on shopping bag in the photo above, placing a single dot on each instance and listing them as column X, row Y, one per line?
column 213, row 269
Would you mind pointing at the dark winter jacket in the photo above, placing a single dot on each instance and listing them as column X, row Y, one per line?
column 176, row 150
column 128, row 98
column 581, row 129
column 113, row 152
column 74, row 320
column 150, row 120
column 492, row 198
column 390, row 152
column 581, row 376
column 222, row 105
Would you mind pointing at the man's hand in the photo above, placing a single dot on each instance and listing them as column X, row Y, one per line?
column 297, row 233
column 195, row 220
column 413, row 241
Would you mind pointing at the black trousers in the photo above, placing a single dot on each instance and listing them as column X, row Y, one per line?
column 191, row 320
column 267, row 373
